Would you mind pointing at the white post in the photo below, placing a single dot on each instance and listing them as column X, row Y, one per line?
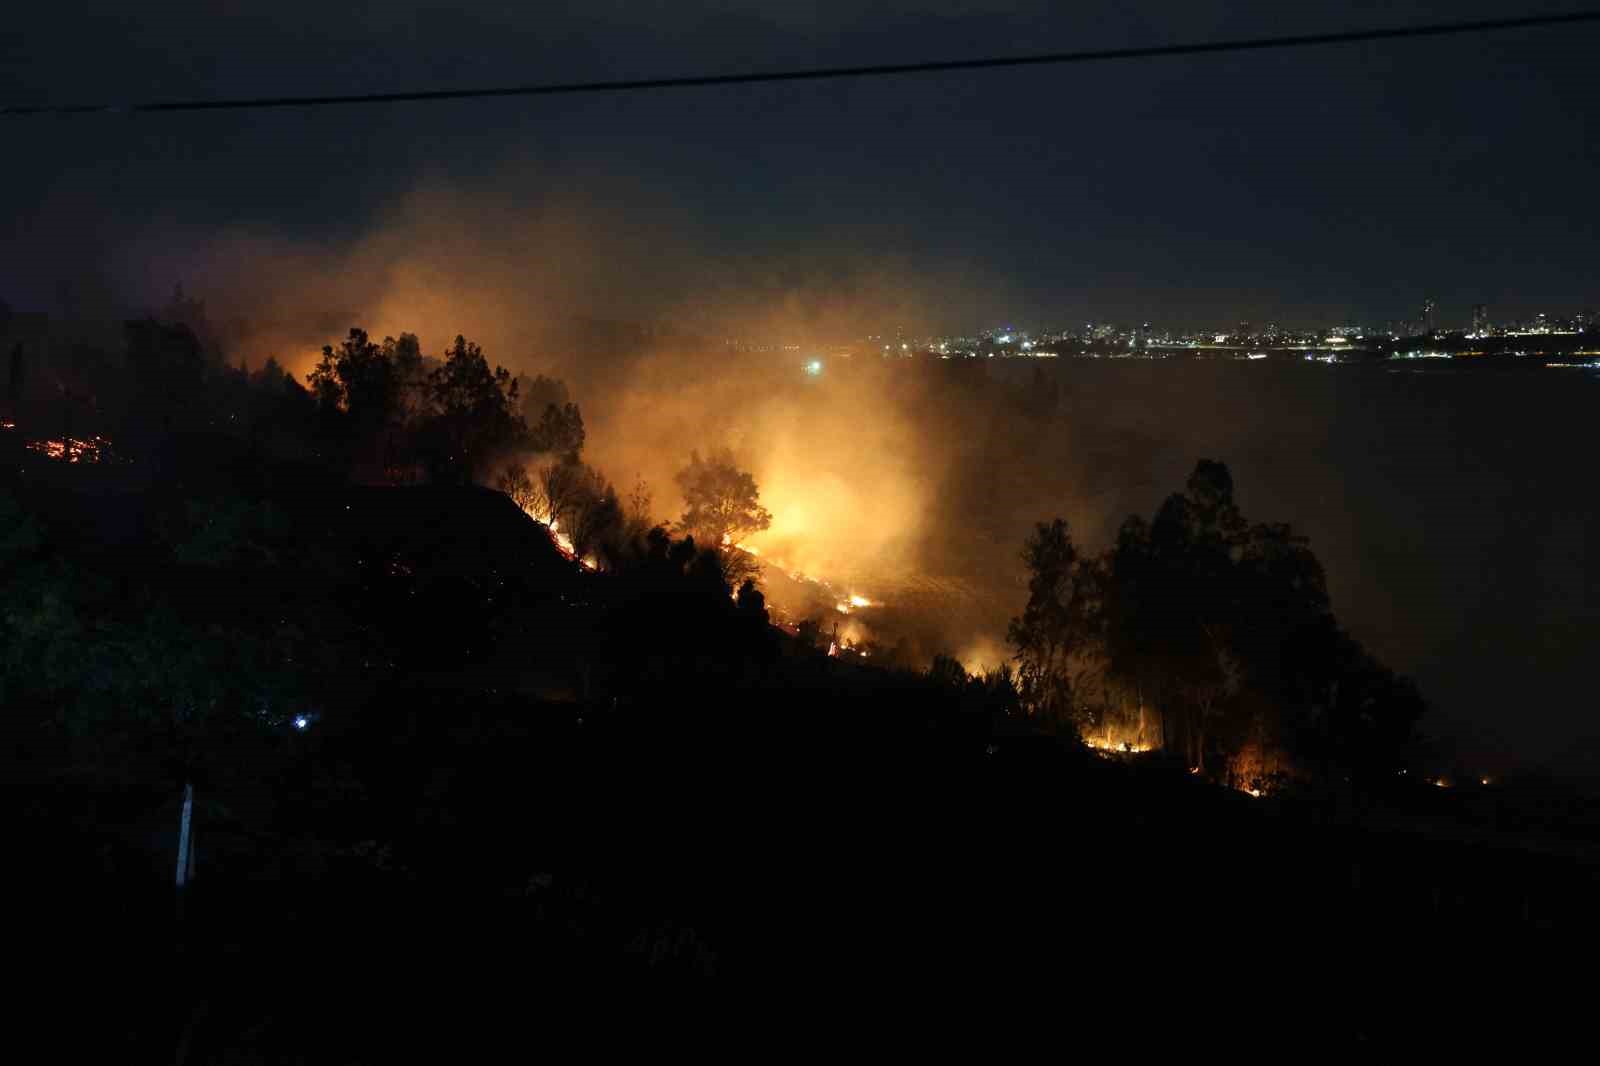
column 185, row 865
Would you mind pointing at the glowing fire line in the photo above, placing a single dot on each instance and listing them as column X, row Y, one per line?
column 70, row 449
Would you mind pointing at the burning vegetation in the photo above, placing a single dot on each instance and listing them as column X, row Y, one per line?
column 1196, row 634
column 72, row 449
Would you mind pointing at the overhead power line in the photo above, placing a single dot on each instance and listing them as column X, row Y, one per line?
column 818, row 74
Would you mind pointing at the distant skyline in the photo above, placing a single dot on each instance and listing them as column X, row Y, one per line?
column 1447, row 320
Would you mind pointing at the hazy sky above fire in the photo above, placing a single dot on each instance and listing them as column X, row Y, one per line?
column 1306, row 184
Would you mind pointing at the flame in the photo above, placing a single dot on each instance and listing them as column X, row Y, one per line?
column 71, row 449
column 1105, row 742
column 561, row 540
column 854, row 601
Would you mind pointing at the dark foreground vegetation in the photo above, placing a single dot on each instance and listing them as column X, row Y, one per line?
column 446, row 776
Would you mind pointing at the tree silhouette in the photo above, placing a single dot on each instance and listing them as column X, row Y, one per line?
column 539, row 393
column 473, row 414
column 1059, row 627
column 752, row 604
column 947, row 670
column 1225, row 629
column 1172, row 607
column 638, row 520
column 559, row 431
column 721, row 502
column 515, row 482
column 596, row 519
column 561, row 488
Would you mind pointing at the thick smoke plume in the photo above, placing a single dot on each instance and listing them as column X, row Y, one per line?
column 665, row 348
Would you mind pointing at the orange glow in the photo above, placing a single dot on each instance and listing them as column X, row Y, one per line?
column 562, row 542
column 71, row 449
column 1108, row 741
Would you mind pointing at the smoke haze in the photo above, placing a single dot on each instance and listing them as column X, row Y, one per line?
column 914, row 484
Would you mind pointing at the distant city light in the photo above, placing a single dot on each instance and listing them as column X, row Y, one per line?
column 814, row 368
column 301, row 721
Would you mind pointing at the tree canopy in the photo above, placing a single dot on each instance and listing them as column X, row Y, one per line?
column 722, row 504
column 1221, row 628
column 474, row 414
column 1058, row 628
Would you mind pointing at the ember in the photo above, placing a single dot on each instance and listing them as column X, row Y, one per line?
column 71, row 449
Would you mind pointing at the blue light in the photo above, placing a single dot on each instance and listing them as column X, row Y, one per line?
column 301, row 721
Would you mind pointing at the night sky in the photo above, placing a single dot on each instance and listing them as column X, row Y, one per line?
column 1302, row 186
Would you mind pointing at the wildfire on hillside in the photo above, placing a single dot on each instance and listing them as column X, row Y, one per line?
column 562, row 542
column 1120, row 746
column 789, row 605
column 71, row 449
